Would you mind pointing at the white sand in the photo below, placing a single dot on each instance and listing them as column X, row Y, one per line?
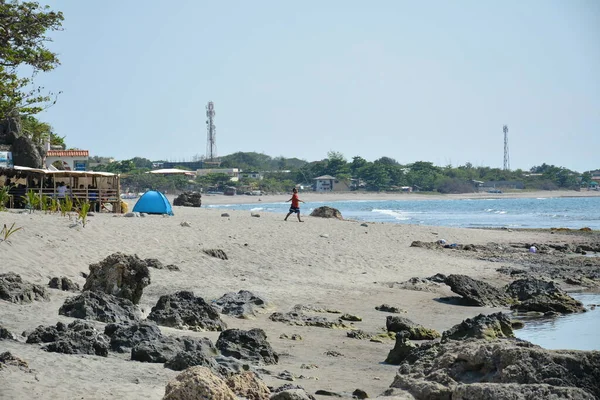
column 287, row 262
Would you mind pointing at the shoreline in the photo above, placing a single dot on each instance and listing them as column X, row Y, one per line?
column 219, row 199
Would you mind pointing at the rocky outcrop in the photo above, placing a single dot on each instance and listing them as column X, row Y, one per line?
column 188, row 199
column 542, row 296
column 183, row 310
column 100, row 306
column 165, row 348
column 120, row 275
column 26, row 153
column 251, row 346
column 298, row 318
column 123, row 337
column 186, row 359
column 15, row 290
column 198, row 383
column 243, row 304
column 486, row 391
column 416, row 332
column 477, row 293
column 401, row 350
column 63, row 283
column 327, row 212
column 249, row 386
column 78, row 337
column 491, row 326
column 510, row 366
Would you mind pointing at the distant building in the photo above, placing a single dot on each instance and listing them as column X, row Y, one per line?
column 252, row 175
column 70, row 160
column 233, row 173
column 328, row 183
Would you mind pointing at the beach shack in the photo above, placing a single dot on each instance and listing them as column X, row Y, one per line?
column 101, row 189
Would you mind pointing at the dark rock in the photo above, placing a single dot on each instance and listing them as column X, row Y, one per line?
column 216, row 253
column 491, row 326
column 120, row 275
column 476, row 292
column 242, row 304
column 225, row 215
column 78, row 337
column 172, row 267
column 440, row 370
column 538, row 295
column 188, row 199
column 351, row 318
column 292, row 393
column 166, row 348
column 360, row 394
column 154, row 263
column 15, row 290
column 185, row 359
column 184, row 310
column 326, row 212
column 26, row 153
column 397, row 324
column 99, row 306
column 6, row 334
column 322, row 392
column 63, row 283
column 251, row 346
column 358, row 334
column 390, row 309
column 300, row 319
column 230, row 366
column 124, row 337
column 402, row 348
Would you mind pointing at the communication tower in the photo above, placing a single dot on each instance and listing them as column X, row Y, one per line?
column 211, row 137
column 506, row 156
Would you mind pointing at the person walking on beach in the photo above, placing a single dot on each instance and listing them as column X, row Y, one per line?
column 295, row 207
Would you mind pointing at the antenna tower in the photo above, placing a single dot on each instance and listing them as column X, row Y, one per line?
column 506, row 156
column 211, row 137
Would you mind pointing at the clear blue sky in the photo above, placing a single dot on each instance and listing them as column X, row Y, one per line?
column 418, row 80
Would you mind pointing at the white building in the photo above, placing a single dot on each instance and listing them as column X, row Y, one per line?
column 233, row 173
column 71, row 160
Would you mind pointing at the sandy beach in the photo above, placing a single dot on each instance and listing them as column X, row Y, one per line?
column 329, row 263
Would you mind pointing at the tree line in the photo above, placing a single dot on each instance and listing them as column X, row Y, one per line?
column 383, row 174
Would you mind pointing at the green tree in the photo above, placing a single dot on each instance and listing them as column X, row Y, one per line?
column 23, row 37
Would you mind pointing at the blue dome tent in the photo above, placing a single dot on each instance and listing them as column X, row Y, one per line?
column 153, row 202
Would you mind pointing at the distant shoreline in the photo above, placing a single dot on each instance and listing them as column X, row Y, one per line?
column 217, row 199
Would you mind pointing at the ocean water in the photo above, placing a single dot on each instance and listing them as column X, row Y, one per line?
column 564, row 212
column 574, row 331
